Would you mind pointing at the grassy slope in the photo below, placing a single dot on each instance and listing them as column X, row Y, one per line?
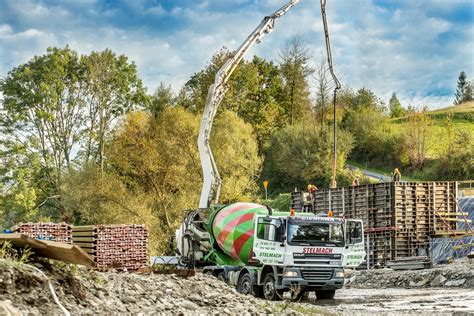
column 463, row 119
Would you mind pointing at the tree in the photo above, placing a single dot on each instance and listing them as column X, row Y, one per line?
column 112, row 89
column 365, row 118
column 299, row 154
column 323, row 89
column 161, row 99
column 462, row 92
column 416, row 137
column 158, row 160
column 42, row 109
column 395, row 108
column 254, row 93
column 57, row 109
column 295, row 70
column 469, row 94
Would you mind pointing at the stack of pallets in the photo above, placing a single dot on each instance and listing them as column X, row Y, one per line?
column 60, row 232
column 119, row 246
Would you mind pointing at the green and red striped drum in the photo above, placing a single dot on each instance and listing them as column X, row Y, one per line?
column 233, row 229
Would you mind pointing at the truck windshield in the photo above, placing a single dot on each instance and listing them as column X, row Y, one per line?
column 315, row 233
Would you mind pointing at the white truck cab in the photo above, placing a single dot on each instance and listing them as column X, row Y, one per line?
column 304, row 253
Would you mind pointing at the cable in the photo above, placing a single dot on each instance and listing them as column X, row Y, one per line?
column 55, row 297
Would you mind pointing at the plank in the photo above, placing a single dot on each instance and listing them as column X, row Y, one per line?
column 84, row 234
column 50, row 249
column 83, row 228
column 84, row 239
column 85, row 244
column 22, row 241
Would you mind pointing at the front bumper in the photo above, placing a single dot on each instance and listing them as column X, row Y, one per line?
column 330, row 283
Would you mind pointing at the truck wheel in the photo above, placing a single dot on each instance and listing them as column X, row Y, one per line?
column 245, row 285
column 298, row 295
column 221, row 276
column 269, row 291
column 325, row 294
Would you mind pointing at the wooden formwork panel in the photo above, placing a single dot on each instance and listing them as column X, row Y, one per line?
column 409, row 207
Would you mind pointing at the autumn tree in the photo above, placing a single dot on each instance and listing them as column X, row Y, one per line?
column 57, row 111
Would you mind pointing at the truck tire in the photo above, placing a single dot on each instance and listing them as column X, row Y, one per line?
column 245, row 285
column 269, row 291
column 325, row 294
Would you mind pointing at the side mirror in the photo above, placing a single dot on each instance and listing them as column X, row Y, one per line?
column 282, row 238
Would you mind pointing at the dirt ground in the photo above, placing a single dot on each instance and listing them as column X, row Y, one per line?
column 396, row 301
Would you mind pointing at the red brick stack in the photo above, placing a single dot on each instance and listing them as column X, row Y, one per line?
column 60, row 232
column 119, row 246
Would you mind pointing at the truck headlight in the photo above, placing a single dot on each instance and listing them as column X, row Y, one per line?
column 290, row 274
column 340, row 274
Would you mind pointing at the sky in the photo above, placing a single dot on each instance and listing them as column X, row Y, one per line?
column 415, row 48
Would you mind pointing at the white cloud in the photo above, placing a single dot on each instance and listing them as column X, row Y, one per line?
column 385, row 50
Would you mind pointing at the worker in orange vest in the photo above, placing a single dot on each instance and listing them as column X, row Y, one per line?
column 396, row 175
column 355, row 182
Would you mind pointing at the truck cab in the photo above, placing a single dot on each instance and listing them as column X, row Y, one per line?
column 301, row 254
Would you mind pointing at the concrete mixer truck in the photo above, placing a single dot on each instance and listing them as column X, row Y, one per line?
column 266, row 253
column 259, row 250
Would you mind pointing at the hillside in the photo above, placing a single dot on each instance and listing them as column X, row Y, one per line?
column 462, row 118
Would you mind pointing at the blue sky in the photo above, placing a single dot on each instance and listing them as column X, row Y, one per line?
column 415, row 48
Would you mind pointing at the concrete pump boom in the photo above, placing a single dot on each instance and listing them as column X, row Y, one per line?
column 211, row 179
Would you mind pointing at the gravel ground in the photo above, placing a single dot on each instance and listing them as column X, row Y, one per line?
column 444, row 290
column 429, row 301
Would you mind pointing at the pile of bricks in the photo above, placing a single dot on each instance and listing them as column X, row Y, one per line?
column 119, row 246
column 60, row 232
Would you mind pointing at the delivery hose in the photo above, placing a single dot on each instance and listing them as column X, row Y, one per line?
column 51, row 288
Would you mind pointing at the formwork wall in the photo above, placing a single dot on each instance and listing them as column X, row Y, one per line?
column 399, row 217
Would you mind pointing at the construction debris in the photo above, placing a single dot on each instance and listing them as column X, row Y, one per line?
column 84, row 292
column 60, row 232
column 120, row 246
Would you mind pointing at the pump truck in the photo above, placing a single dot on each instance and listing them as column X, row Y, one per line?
column 253, row 247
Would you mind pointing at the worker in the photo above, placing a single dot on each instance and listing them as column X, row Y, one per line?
column 312, row 188
column 396, row 175
column 356, row 182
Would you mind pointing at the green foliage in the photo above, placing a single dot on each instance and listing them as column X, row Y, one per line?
column 463, row 90
column 57, row 111
column 301, row 154
column 236, row 153
column 295, row 71
column 8, row 252
column 366, row 120
column 281, row 202
column 415, row 139
column 396, row 109
column 160, row 100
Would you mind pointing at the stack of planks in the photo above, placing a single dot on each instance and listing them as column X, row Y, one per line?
column 59, row 232
column 119, row 246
